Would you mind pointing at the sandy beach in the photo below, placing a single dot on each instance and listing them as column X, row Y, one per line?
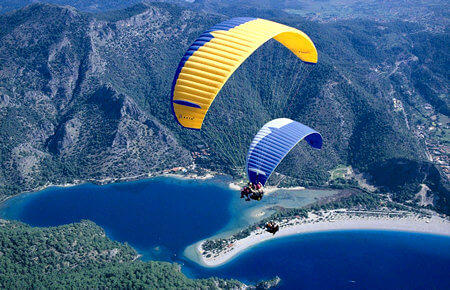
column 267, row 189
column 329, row 221
column 271, row 189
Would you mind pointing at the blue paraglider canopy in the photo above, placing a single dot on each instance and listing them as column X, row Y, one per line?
column 273, row 142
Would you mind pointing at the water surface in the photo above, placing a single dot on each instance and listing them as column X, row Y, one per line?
column 160, row 217
column 343, row 260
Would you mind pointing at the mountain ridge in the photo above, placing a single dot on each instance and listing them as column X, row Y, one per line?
column 91, row 96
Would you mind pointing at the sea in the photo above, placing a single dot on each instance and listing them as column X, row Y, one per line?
column 162, row 216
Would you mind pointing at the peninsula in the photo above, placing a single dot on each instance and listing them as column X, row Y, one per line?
column 213, row 253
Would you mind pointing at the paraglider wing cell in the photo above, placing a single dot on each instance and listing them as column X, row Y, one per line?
column 217, row 53
column 273, row 142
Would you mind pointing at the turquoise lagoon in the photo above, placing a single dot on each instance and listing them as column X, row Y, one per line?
column 161, row 216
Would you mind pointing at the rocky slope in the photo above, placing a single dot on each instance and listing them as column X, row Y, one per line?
column 62, row 114
column 87, row 97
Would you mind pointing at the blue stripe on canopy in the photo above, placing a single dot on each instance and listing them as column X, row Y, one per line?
column 273, row 142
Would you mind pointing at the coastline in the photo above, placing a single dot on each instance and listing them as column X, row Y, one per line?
column 336, row 220
column 189, row 175
column 111, row 180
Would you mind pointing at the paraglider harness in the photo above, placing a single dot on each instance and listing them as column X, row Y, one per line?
column 253, row 191
column 272, row 227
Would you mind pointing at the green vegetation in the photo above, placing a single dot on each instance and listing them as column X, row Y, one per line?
column 403, row 177
column 362, row 200
column 339, row 172
column 81, row 256
column 341, row 183
column 85, row 97
column 282, row 213
column 87, row 100
column 348, row 199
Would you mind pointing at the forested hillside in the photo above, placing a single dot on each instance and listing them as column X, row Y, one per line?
column 86, row 96
column 81, row 256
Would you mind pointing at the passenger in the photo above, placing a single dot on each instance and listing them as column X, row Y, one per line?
column 272, row 227
column 252, row 191
column 245, row 191
column 259, row 188
column 257, row 195
column 276, row 228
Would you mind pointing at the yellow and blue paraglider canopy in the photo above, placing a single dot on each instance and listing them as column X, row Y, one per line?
column 272, row 143
column 217, row 53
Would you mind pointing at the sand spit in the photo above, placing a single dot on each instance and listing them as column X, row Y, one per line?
column 327, row 221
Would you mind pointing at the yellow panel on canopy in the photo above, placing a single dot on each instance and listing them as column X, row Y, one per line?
column 217, row 53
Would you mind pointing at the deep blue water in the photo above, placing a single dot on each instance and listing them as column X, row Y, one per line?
column 344, row 260
column 160, row 217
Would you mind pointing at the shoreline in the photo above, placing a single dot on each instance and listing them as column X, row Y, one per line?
column 112, row 180
column 233, row 184
column 336, row 220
